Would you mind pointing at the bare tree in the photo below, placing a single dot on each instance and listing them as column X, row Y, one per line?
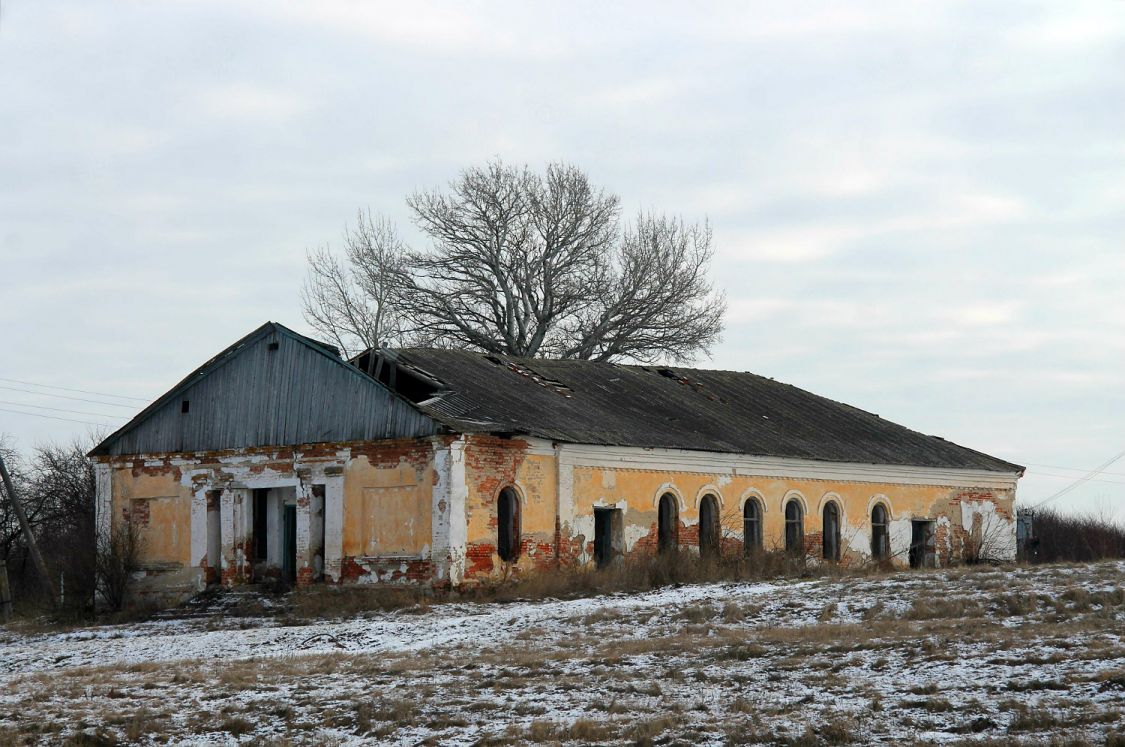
column 531, row 265
column 57, row 486
column 355, row 302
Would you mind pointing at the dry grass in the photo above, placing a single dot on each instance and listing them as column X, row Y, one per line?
column 865, row 663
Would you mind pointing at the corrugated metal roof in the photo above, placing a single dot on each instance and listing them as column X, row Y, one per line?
column 273, row 387
column 663, row 407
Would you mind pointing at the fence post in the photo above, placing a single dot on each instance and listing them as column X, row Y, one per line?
column 5, row 593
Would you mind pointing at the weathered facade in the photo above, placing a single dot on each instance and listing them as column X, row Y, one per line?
column 279, row 460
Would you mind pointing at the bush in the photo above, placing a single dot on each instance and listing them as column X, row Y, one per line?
column 1076, row 538
column 118, row 558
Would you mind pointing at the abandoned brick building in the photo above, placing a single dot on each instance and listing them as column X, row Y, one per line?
column 279, row 459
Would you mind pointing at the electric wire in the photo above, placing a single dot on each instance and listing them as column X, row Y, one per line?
column 1040, row 473
column 53, row 417
column 59, row 409
column 71, row 389
column 64, row 396
column 1072, row 469
column 1080, row 481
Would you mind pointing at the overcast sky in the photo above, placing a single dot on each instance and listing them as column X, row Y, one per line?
column 918, row 209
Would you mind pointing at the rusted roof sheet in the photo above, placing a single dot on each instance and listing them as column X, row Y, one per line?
column 664, row 407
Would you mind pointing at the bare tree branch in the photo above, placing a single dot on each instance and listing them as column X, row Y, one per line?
column 523, row 264
column 355, row 305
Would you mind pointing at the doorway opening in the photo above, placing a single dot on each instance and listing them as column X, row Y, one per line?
column 214, row 573
column 260, row 523
column 609, row 536
column 922, row 551
column 289, row 545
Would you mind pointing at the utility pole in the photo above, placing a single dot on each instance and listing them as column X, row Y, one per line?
column 32, row 545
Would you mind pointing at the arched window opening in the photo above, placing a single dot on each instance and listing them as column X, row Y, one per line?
column 879, row 546
column 831, row 532
column 668, row 524
column 508, row 525
column 794, row 529
column 709, row 529
column 751, row 526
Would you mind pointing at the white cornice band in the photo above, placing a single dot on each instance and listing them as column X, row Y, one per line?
column 682, row 460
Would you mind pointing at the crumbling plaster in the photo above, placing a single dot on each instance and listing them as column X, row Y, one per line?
column 425, row 510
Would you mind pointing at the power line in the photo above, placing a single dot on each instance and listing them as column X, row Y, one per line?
column 1073, row 469
column 59, row 409
column 63, row 396
column 1040, row 473
column 1088, row 476
column 52, row 417
column 70, row 389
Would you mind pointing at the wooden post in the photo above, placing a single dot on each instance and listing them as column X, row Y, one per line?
column 5, row 593
column 32, row 545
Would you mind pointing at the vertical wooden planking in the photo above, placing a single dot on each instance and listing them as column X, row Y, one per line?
column 256, row 397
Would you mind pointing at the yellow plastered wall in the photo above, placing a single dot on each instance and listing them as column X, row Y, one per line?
column 639, row 491
column 387, row 507
column 166, row 505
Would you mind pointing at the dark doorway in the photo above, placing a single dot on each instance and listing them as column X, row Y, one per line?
column 214, row 538
column 830, row 536
column 668, row 524
column 508, row 525
column 794, row 529
column 922, row 553
column 709, row 529
column 289, row 546
column 261, row 498
column 751, row 526
column 609, row 528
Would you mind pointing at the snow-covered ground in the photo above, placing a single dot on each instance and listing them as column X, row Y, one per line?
column 947, row 656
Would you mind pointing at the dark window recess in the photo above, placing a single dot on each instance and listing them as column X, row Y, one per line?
column 668, row 524
column 508, row 525
column 879, row 545
column 184, row 406
column 751, row 526
column 830, row 541
column 261, row 501
column 273, row 346
column 794, row 529
column 709, row 529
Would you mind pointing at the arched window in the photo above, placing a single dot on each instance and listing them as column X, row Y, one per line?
column 794, row 529
column 508, row 525
column 830, row 541
column 751, row 526
column 668, row 524
column 709, row 529
column 879, row 545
